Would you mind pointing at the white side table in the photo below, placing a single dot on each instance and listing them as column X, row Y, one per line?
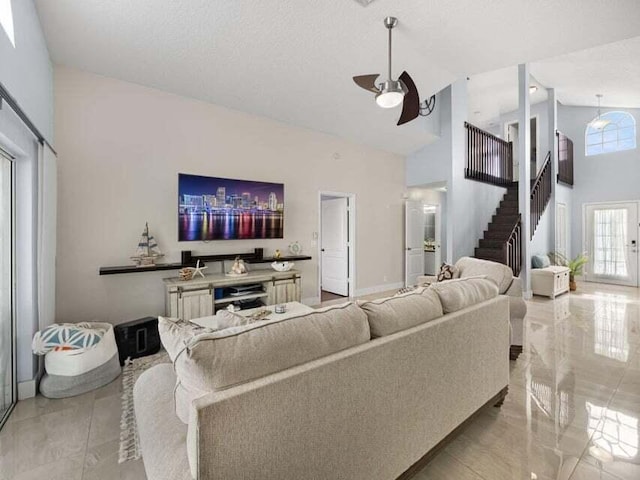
column 550, row 281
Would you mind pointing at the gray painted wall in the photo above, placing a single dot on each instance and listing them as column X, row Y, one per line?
column 26, row 72
column 600, row 178
column 544, row 237
column 469, row 204
column 432, row 163
column 25, row 69
column 17, row 140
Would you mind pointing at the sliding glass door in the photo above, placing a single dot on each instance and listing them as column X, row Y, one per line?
column 7, row 327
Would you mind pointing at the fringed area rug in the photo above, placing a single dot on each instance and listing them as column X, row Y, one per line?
column 129, row 441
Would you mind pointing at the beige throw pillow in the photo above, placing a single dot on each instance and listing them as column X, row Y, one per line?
column 221, row 320
column 176, row 333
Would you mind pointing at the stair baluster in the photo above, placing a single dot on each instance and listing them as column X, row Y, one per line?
column 540, row 193
column 489, row 158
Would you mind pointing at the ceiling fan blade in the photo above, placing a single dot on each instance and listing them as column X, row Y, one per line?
column 368, row 82
column 411, row 102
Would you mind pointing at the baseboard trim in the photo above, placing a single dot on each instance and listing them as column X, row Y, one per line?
column 495, row 401
column 378, row 288
column 311, row 301
column 27, row 389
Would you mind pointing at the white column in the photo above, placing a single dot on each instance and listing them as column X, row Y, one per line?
column 459, row 194
column 524, row 187
column 552, row 112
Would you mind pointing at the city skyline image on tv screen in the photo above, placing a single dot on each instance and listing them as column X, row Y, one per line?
column 213, row 208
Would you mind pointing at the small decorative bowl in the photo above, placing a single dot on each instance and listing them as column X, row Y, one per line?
column 282, row 266
column 186, row 273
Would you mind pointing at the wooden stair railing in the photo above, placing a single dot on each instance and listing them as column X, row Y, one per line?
column 540, row 193
column 565, row 159
column 513, row 249
column 489, row 158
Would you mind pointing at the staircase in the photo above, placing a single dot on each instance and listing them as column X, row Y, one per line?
column 499, row 230
column 489, row 160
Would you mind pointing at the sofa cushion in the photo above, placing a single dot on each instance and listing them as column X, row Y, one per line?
column 390, row 315
column 221, row 359
column 500, row 274
column 464, row 292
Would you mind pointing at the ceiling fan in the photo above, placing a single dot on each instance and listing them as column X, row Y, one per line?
column 392, row 93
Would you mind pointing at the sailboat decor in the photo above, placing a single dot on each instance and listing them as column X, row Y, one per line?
column 148, row 251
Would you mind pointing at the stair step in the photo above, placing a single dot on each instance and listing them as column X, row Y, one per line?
column 492, row 243
column 503, row 228
column 508, row 219
column 509, row 203
column 496, row 235
column 489, row 254
column 507, row 210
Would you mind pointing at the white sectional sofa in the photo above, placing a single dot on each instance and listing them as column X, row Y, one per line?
column 507, row 284
column 316, row 397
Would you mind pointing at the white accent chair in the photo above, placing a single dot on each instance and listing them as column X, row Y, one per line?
column 507, row 284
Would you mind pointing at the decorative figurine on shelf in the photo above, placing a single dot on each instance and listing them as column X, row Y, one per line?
column 147, row 252
column 198, row 270
column 186, row 274
column 231, row 308
column 238, row 269
column 277, row 254
column 295, row 248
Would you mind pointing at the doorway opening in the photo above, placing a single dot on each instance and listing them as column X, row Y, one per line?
column 511, row 134
column 610, row 238
column 562, row 227
column 424, row 232
column 336, row 245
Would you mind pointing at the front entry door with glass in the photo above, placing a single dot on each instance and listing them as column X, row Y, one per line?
column 611, row 242
column 7, row 338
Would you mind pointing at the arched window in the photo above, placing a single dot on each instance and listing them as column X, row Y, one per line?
column 610, row 132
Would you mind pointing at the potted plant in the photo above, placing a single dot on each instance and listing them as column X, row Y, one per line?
column 575, row 266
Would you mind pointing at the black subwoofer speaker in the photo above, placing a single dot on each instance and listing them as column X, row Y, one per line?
column 137, row 338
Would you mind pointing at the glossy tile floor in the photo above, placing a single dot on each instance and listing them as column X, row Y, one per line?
column 572, row 410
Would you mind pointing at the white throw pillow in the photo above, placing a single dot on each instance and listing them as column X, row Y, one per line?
column 221, row 320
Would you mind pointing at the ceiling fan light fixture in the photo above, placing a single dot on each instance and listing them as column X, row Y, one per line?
column 391, row 94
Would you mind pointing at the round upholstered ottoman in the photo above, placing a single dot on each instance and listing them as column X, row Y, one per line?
column 73, row 372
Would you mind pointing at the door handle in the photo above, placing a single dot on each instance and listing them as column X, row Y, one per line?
column 322, row 249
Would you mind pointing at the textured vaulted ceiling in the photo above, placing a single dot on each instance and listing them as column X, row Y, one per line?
column 293, row 60
column 612, row 70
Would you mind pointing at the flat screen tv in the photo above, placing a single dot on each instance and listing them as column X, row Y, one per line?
column 212, row 208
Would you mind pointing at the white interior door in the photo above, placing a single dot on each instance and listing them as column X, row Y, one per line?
column 561, row 229
column 611, row 242
column 335, row 246
column 414, row 241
